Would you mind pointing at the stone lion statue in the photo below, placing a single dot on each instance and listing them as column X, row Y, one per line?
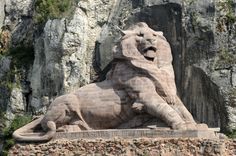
column 141, row 81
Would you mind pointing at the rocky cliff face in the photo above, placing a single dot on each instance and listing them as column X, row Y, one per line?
column 70, row 52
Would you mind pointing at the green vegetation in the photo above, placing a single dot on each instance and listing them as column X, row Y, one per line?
column 17, row 122
column 229, row 18
column 194, row 20
column 231, row 134
column 226, row 59
column 4, row 41
column 52, row 9
column 232, row 97
column 10, row 80
column 189, row 2
column 22, row 56
column 232, row 103
column 228, row 7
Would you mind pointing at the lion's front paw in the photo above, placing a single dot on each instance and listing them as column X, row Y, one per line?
column 202, row 126
column 170, row 99
column 179, row 126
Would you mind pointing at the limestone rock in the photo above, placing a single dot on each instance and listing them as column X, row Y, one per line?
column 4, row 70
column 75, row 55
column 63, row 54
column 2, row 12
column 18, row 19
column 15, row 104
column 47, row 77
column 4, row 66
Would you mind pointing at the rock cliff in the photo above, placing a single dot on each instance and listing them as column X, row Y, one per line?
column 41, row 61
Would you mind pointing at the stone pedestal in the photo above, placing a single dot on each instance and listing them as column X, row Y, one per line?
column 138, row 133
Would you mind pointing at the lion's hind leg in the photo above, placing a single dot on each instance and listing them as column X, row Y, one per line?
column 73, row 102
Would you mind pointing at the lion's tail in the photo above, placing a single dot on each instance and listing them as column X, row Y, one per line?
column 23, row 135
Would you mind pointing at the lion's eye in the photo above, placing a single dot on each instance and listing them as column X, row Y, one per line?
column 155, row 35
column 140, row 34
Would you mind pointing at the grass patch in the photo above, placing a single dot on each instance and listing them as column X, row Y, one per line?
column 17, row 122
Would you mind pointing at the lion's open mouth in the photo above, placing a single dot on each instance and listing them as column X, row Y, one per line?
column 149, row 53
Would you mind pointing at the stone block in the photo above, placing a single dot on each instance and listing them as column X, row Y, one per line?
column 138, row 133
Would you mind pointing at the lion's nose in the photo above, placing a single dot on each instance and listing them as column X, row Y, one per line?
column 151, row 40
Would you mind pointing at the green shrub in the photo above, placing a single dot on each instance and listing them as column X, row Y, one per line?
column 9, row 81
column 22, row 56
column 17, row 122
column 226, row 60
column 51, row 9
column 231, row 134
column 228, row 7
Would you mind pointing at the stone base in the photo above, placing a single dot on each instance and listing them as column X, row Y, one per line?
column 128, row 147
column 138, row 133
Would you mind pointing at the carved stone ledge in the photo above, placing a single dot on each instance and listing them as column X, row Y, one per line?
column 138, row 133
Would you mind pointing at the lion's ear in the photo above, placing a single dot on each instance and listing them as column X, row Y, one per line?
column 125, row 32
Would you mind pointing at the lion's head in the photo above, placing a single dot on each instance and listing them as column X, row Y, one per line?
column 149, row 51
column 142, row 43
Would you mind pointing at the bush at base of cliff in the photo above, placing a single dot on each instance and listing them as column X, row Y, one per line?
column 231, row 134
column 17, row 122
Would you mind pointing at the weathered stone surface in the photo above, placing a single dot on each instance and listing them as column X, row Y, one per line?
column 129, row 147
column 15, row 105
column 5, row 93
column 2, row 12
column 207, row 73
column 4, row 66
column 19, row 20
column 47, row 77
column 65, row 65
column 138, row 133
column 75, row 54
